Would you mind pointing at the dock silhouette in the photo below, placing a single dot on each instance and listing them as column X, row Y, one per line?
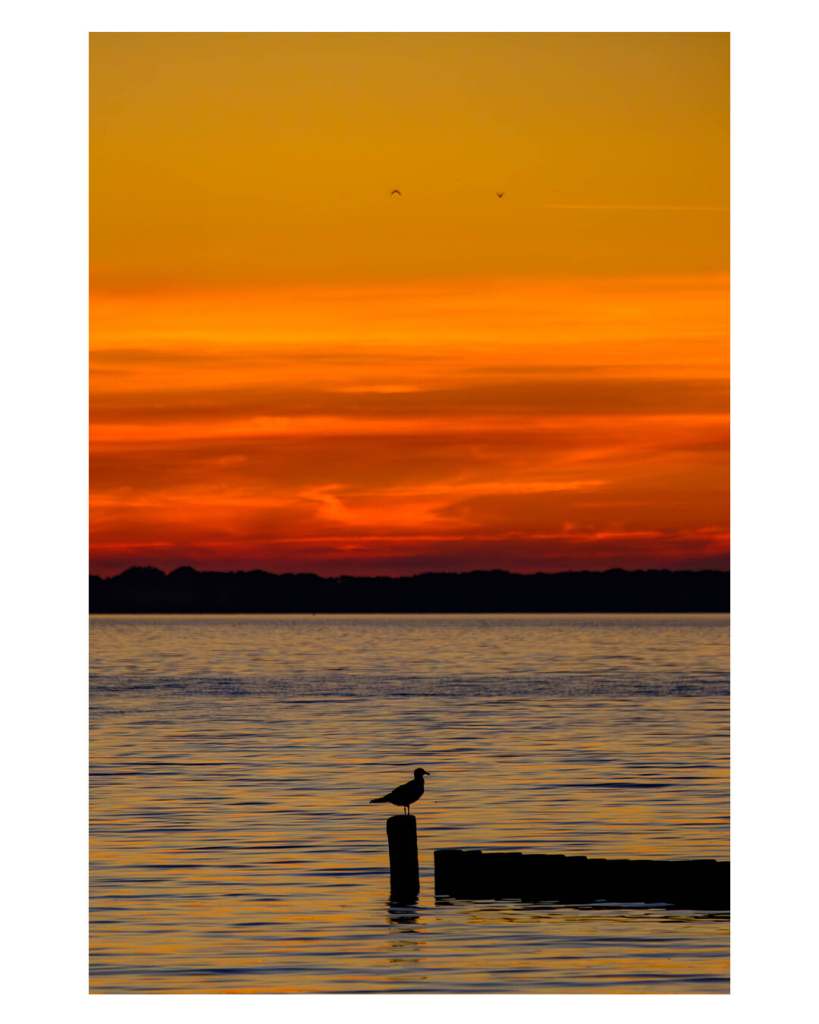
column 537, row 877
column 695, row 884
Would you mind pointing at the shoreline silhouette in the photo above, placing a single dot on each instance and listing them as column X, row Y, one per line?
column 186, row 590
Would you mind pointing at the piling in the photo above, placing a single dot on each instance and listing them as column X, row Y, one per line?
column 403, row 841
column 475, row 875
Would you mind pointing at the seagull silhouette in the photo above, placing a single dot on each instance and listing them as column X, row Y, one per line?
column 500, row 195
column 403, row 796
column 395, row 192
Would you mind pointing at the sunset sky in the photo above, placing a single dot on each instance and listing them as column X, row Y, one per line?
column 293, row 370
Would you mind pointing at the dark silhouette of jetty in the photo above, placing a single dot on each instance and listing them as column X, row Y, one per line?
column 403, row 796
column 552, row 878
column 615, row 590
column 475, row 875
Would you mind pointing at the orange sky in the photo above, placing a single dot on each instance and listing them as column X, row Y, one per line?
column 293, row 370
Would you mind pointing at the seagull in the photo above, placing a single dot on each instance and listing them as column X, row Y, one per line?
column 395, row 192
column 403, row 796
column 500, row 195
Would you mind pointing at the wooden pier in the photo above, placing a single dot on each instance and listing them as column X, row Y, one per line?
column 690, row 884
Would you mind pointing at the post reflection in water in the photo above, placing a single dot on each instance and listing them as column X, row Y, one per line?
column 234, row 848
column 406, row 949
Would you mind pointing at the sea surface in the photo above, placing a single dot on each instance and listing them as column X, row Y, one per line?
column 233, row 758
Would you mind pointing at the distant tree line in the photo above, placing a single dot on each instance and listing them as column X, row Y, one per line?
column 615, row 590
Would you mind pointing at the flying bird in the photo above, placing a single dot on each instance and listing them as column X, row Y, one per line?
column 395, row 192
column 500, row 195
column 403, row 796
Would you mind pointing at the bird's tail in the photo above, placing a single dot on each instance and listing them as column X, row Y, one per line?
column 379, row 800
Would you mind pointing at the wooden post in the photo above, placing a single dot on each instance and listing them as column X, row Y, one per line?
column 403, row 840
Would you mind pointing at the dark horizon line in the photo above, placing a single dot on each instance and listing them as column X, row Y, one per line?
column 186, row 569
column 185, row 589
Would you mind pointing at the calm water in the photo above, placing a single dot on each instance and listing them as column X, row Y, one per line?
column 233, row 847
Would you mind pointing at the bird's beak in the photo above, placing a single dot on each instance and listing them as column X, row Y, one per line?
column 427, row 773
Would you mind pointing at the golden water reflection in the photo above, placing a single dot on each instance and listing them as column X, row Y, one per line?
column 234, row 848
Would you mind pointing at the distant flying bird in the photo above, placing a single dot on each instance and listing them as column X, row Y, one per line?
column 500, row 195
column 403, row 796
column 395, row 192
